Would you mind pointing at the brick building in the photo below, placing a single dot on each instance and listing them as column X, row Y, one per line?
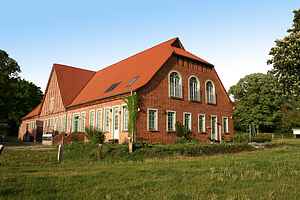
column 172, row 85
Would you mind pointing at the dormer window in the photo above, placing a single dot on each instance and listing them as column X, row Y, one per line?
column 210, row 93
column 175, row 85
column 194, row 89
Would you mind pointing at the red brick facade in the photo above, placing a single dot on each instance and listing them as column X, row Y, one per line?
column 155, row 95
column 67, row 109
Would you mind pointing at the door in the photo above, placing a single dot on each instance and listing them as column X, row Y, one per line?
column 214, row 128
column 116, row 123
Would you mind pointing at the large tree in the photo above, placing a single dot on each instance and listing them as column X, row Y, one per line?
column 285, row 58
column 257, row 102
column 17, row 96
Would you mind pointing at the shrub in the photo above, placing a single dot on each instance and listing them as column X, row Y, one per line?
column 241, row 138
column 182, row 131
column 262, row 137
column 95, row 136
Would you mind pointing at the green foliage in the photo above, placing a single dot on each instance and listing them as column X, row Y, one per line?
column 17, row 96
column 95, row 136
column 285, row 58
column 132, row 106
column 262, row 137
column 182, row 132
column 257, row 102
column 242, row 138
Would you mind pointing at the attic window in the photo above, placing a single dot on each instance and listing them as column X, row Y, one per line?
column 133, row 80
column 112, row 87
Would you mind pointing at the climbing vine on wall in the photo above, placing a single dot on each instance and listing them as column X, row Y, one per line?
column 132, row 105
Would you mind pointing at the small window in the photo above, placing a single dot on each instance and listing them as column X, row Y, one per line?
column 152, row 119
column 194, row 89
column 112, row 87
column 125, row 118
column 210, row 93
column 133, row 80
column 99, row 120
column 225, row 125
column 83, row 116
column 171, row 120
column 175, row 85
column 92, row 119
column 107, row 119
column 187, row 120
column 75, row 127
column 201, row 123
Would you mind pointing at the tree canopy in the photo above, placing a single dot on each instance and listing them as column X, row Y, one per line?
column 285, row 58
column 257, row 101
column 17, row 96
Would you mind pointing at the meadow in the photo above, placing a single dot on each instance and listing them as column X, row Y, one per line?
column 270, row 173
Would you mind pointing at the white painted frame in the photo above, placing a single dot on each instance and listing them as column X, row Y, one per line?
column 227, row 125
column 217, row 128
column 214, row 92
column 190, row 125
column 198, row 89
column 73, row 121
column 98, row 126
column 180, row 82
column 122, row 118
column 155, row 121
column 174, row 121
column 203, row 123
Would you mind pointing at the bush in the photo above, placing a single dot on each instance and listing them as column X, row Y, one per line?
column 95, row 136
column 241, row 138
column 262, row 137
column 182, row 131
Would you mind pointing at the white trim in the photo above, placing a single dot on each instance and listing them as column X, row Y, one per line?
column 83, row 120
column 214, row 92
column 174, row 121
column 189, row 95
column 156, row 120
column 72, row 121
column 227, row 125
column 122, row 117
column 97, row 125
column 216, row 136
column 203, row 123
column 92, row 125
column 113, row 121
column 105, row 128
column 190, row 125
column 180, row 82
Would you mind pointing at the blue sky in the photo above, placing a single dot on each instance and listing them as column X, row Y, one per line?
column 234, row 35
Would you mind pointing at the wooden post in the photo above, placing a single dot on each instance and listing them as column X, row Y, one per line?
column 1, row 148
column 99, row 152
column 60, row 153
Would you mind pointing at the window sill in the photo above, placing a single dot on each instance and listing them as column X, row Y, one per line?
column 202, row 133
column 195, row 101
column 177, row 98
column 212, row 104
column 153, row 131
column 227, row 133
column 171, row 131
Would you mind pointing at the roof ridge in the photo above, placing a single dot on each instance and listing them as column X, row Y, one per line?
column 68, row 66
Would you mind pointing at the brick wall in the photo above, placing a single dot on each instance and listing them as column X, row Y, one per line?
column 155, row 95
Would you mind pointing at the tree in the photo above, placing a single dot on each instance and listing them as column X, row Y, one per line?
column 285, row 58
column 17, row 96
column 257, row 102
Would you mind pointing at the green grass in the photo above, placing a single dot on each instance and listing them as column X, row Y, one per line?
column 272, row 173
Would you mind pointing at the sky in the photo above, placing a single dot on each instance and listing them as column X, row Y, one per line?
column 234, row 35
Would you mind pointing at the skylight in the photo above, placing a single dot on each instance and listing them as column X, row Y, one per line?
column 133, row 80
column 112, row 87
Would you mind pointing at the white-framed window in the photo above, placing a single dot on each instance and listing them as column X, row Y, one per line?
column 201, row 123
column 107, row 113
column 175, row 84
column 194, row 89
column 214, row 127
column 99, row 121
column 75, row 122
column 125, row 118
column 92, row 119
column 152, row 119
column 171, row 120
column 83, row 117
column 187, row 120
column 225, row 125
column 210, row 92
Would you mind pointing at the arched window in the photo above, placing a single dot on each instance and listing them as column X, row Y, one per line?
column 210, row 93
column 175, row 86
column 194, row 89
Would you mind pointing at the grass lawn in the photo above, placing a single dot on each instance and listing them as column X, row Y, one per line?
column 262, row 174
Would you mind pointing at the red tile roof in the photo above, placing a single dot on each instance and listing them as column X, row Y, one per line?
column 79, row 86
column 141, row 66
column 35, row 112
column 71, row 80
